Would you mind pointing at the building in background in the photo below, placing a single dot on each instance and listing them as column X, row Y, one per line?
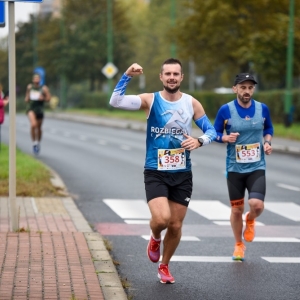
column 50, row 7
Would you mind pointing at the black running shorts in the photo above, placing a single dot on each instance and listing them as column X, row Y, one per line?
column 176, row 187
column 254, row 182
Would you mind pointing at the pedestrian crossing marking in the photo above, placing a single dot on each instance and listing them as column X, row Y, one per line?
column 282, row 260
column 137, row 211
column 288, row 210
column 129, row 209
column 288, row 187
column 211, row 209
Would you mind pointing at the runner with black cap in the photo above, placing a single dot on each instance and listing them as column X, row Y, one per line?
column 245, row 125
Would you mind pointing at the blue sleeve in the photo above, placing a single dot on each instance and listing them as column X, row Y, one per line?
column 209, row 131
column 221, row 121
column 268, row 126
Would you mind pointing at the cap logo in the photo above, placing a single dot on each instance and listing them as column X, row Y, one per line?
column 247, row 75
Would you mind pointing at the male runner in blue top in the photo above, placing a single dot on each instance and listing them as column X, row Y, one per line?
column 249, row 131
column 167, row 173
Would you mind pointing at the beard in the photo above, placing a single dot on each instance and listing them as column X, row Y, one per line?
column 172, row 90
column 242, row 98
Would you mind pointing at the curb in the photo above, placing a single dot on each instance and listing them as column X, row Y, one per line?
column 105, row 269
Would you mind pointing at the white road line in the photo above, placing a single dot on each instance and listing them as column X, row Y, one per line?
column 288, row 187
column 282, row 260
column 141, row 222
column 124, row 147
column 186, row 238
column 288, row 210
column 129, row 209
column 211, row 209
column 214, row 259
column 276, row 240
column 227, row 223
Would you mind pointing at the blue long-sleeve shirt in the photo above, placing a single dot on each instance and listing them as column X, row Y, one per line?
column 222, row 121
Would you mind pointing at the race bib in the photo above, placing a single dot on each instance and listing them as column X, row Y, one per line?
column 248, row 153
column 34, row 95
column 171, row 159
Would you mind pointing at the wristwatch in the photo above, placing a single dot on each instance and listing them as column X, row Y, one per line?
column 200, row 140
column 267, row 142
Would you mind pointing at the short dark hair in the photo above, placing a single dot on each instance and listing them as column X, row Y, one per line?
column 171, row 61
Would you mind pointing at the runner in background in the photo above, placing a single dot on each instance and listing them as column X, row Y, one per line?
column 248, row 134
column 167, row 171
column 36, row 96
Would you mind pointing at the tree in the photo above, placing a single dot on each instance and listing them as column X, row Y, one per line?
column 238, row 36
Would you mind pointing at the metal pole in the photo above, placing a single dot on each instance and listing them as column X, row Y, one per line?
column 109, row 42
column 173, row 18
column 12, row 116
column 63, row 78
column 289, row 68
column 35, row 40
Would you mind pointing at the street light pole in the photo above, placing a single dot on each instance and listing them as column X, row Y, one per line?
column 173, row 20
column 109, row 42
column 289, row 68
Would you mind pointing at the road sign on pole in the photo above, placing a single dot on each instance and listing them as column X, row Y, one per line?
column 2, row 14
column 109, row 70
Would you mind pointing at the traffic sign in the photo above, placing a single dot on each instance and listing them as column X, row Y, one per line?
column 2, row 14
column 32, row 1
column 109, row 70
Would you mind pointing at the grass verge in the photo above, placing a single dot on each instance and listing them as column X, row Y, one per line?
column 32, row 177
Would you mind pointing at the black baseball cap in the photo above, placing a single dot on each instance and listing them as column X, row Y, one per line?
column 244, row 77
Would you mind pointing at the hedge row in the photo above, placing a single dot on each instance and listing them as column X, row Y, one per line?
column 210, row 101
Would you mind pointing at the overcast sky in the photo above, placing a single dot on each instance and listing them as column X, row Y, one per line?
column 22, row 12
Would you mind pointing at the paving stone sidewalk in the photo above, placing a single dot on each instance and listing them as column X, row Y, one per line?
column 55, row 254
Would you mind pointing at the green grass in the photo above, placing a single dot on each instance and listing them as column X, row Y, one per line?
column 32, row 177
column 292, row 132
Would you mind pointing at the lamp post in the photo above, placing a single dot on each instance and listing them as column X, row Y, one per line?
column 289, row 68
column 173, row 20
column 109, row 42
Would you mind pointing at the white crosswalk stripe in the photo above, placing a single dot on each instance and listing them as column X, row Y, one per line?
column 288, row 210
column 137, row 211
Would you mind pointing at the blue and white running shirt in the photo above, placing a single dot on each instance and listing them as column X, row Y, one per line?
column 166, row 123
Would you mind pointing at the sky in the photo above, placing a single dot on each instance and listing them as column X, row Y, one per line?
column 22, row 12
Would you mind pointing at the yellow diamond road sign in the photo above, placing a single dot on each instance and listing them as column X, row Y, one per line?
column 109, row 70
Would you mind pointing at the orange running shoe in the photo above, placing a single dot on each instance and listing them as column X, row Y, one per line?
column 239, row 252
column 249, row 232
column 164, row 274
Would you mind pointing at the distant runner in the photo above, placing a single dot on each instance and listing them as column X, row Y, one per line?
column 36, row 96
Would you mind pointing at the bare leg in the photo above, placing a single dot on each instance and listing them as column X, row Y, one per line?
column 256, row 208
column 173, row 234
column 160, row 215
column 39, row 129
column 33, row 125
column 236, row 220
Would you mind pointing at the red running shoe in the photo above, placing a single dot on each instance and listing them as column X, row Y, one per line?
column 153, row 249
column 164, row 274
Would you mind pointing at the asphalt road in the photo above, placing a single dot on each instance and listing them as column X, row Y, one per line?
column 102, row 168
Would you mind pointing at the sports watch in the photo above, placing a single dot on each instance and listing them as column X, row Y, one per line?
column 200, row 140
